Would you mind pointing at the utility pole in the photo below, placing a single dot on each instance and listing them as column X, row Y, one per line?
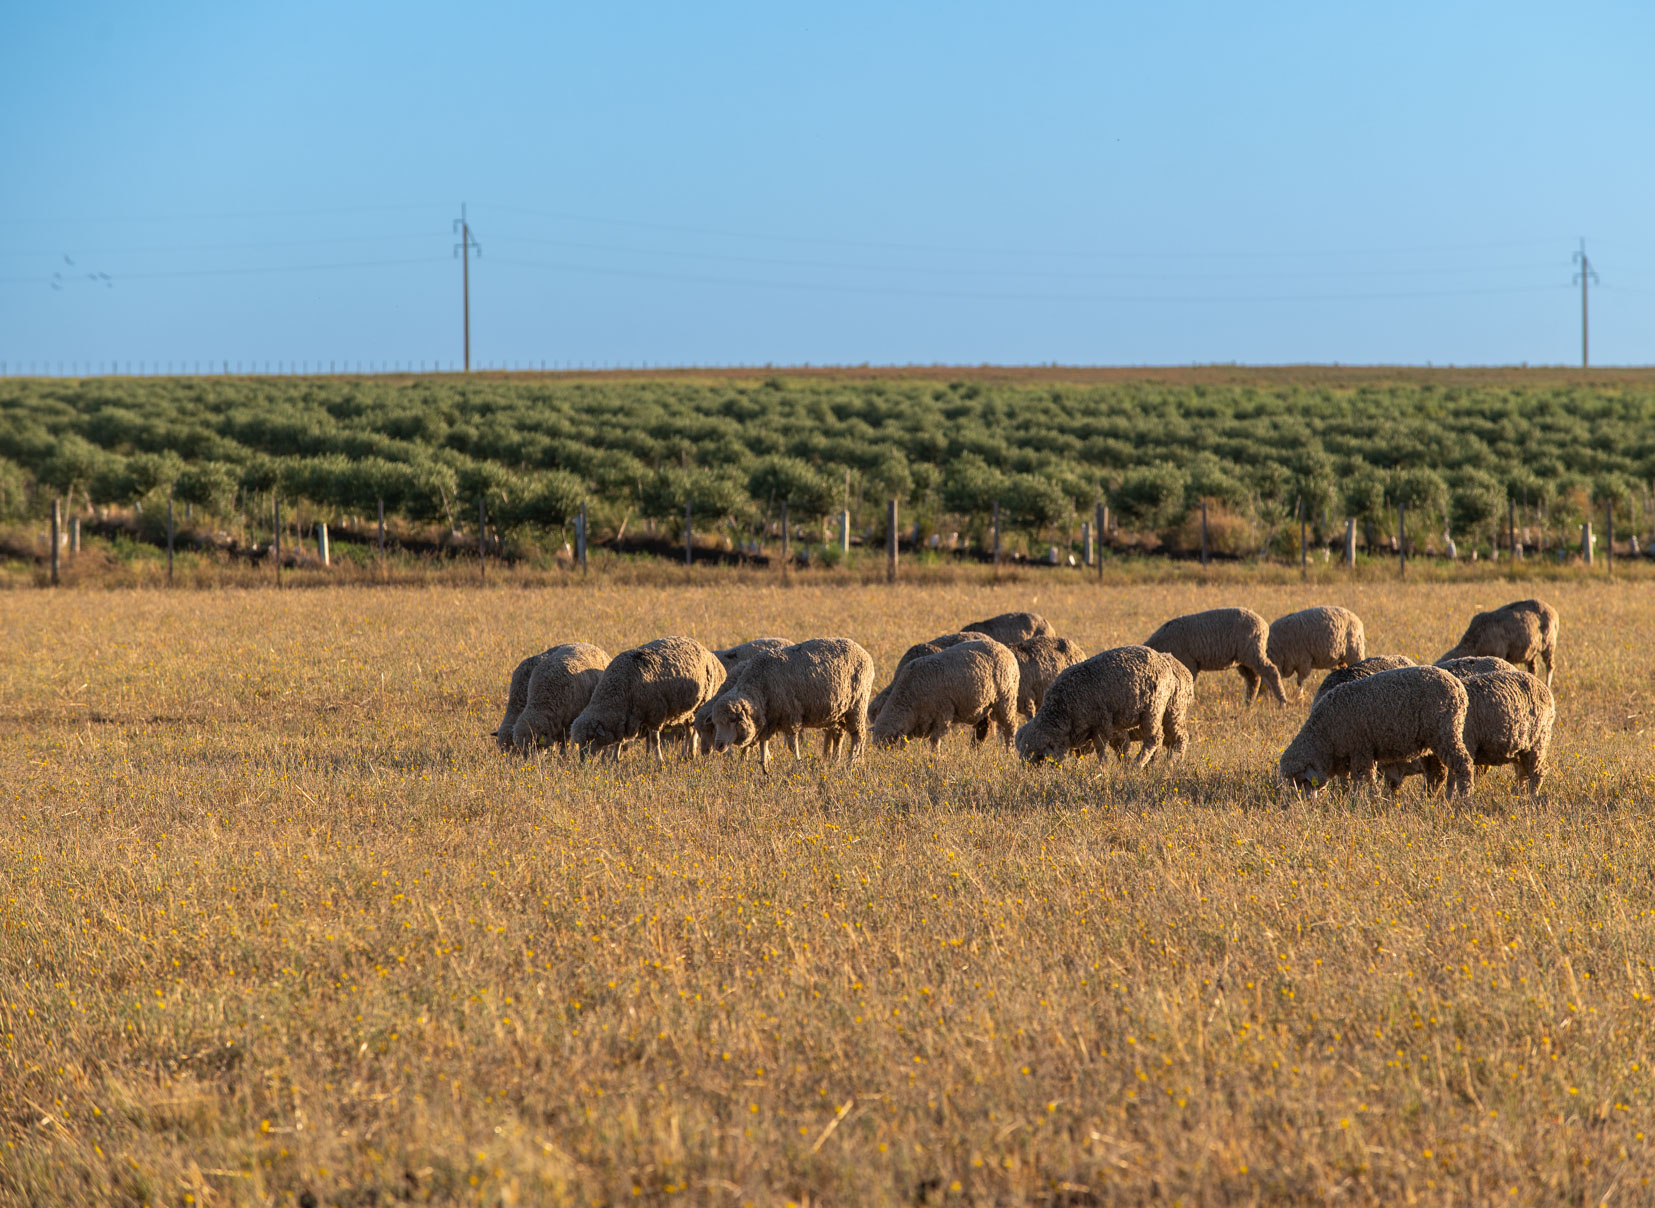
column 1584, row 276
column 463, row 250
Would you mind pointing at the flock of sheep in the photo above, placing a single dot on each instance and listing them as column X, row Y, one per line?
column 1482, row 704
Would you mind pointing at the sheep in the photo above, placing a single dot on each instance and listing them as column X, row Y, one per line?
column 1040, row 661
column 1523, row 633
column 1009, row 628
column 1391, row 716
column 733, row 655
column 517, row 694
column 941, row 642
column 821, row 684
column 644, row 690
column 1474, row 665
column 1109, row 699
column 1220, row 638
column 1316, row 639
column 1368, row 666
column 560, row 687
column 973, row 684
column 1508, row 719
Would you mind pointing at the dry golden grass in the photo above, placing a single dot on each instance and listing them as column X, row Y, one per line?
column 278, row 926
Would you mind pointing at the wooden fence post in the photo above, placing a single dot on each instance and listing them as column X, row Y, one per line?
column 1304, row 556
column 1402, row 537
column 322, row 547
column 74, row 537
column 1609, row 536
column 891, row 542
column 1350, row 541
column 169, row 539
column 1086, row 542
column 276, row 535
column 844, row 531
column 57, row 538
column 580, row 537
column 1101, row 526
column 382, row 530
column 1586, row 541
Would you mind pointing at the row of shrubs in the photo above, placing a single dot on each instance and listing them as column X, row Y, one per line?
column 534, row 452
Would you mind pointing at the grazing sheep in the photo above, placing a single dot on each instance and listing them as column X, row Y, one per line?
column 1009, row 628
column 1129, row 692
column 1508, row 719
column 1388, row 717
column 646, row 689
column 1316, row 639
column 730, row 656
column 942, row 642
column 1473, row 665
column 559, row 688
column 1523, row 633
column 972, row 684
column 1039, row 662
column 517, row 695
column 1218, row 639
column 1368, row 666
column 821, row 684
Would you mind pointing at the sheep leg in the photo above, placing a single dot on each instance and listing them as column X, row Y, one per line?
column 764, row 756
column 1530, row 772
column 655, row 745
column 1363, row 768
column 858, row 735
column 1149, row 725
column 1272, row 677
column 1005, row 716
column 1435, row 773
column 1458, row 759
column 793, row 737
column 1249, row 677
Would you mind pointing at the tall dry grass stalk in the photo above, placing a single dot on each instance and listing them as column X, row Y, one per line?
column 278, row 925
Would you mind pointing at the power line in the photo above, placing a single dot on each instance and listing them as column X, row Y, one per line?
column 235, row 272
column 215, row 247
column 1069, row 251
column 900, row 291
column 1055, row 274
column 331, row 210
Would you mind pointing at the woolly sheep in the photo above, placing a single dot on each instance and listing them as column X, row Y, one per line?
column 1368, row 666
column 1039, row 662
column 731, row 656
column 972, row 684
column 1523, row 633
column 1009, row 628
column 1508, row 719
column 646, row 689
column 1109, row 699
column 941, row 642
column 821, row 684
column 1218, row 639
column 1473, row 665
column 1391, row 716
column 1316, row 639
column 559, row 688
column 517, row 695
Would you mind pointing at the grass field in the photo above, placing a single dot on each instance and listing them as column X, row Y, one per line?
column 279, row 926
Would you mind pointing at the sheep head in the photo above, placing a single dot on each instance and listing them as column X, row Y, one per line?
column 734, row 724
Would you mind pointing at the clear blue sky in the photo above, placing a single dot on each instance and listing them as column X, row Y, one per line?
column 723, row 183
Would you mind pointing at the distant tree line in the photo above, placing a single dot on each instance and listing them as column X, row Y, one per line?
column 1460, row 459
